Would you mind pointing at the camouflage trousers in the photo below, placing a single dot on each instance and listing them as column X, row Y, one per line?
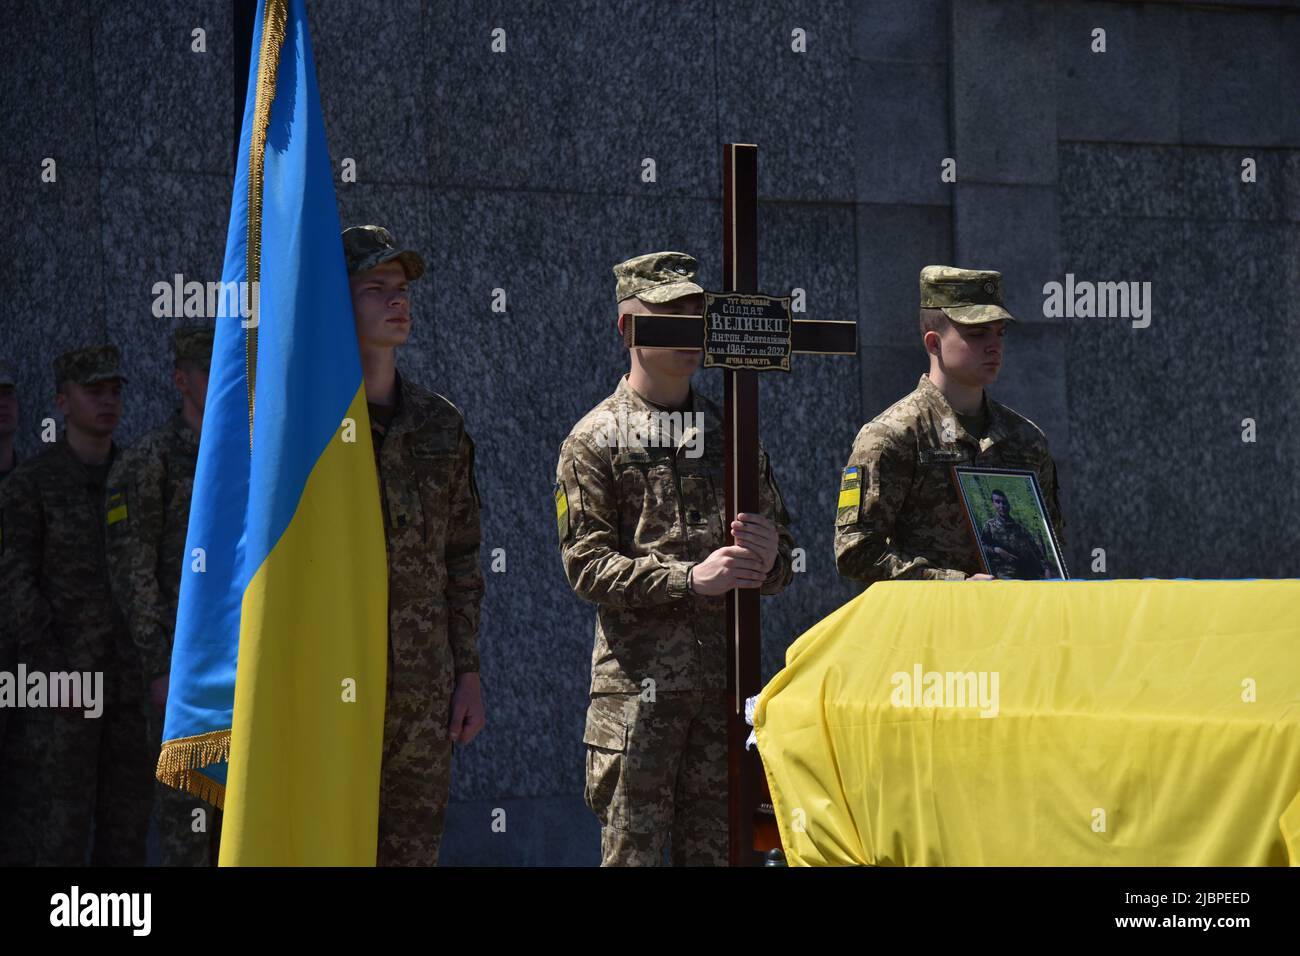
column 657, row 774
column 174, row 817
column 68, row 779
column 414, row 781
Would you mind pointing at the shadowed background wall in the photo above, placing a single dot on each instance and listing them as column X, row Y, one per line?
column 522, row 171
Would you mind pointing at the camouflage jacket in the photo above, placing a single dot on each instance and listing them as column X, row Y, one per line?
column 431, row 523
column 635, row 511
column 53, row 574
column 899, row 514
column 1014, row 538
column 148, row 513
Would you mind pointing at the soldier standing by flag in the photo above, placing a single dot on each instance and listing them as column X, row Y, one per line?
column 425, row 461
column 149, row 492
column 68, row 772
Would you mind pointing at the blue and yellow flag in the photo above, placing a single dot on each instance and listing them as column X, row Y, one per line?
column 276, row 703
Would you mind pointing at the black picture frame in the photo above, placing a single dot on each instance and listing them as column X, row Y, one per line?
column 1038, row 558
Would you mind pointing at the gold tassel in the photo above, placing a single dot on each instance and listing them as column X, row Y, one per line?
column 181, row 760
column 268, row 62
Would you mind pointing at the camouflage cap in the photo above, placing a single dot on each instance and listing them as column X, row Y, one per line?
column 192, row 342
column 7, row 374
column 87, row 366
column 657, row 277
column 967, row 296
column 365, row 247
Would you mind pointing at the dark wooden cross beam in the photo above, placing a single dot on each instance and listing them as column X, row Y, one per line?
column 740, row 275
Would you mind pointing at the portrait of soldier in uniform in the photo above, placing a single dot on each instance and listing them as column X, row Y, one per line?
column 1010, row 523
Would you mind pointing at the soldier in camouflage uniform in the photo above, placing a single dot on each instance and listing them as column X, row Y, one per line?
column 8, row 462
column 642, row 528
column 899, row 515
column 1011, row 549
column 425, row 462
column 66, row 772
column 148, row 511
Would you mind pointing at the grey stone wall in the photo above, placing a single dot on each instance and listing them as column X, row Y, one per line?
column 522, row 171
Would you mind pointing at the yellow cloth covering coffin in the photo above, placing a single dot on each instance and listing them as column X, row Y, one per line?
column 1125, row 732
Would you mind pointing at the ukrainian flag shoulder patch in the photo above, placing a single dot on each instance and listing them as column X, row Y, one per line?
column 846, row 511
column 561, row 510
column 116, row 507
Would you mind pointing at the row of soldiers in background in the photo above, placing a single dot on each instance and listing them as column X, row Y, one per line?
column 90, row 586
column 90, row 568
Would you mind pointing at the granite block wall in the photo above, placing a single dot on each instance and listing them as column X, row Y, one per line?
column 523, row 171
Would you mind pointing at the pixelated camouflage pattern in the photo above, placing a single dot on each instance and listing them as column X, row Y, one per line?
column 656, row 773
column 365, row 247
column 1013, row 537
column 89, row 365
column 435, row 587
column 65, row 776
column 173, row 816
column 147, row 508
column 63, row 773
column 193, row 342
column 639, row 517
column 967, row 296
column 656, row 277
column 148, row 513
column 910, row 522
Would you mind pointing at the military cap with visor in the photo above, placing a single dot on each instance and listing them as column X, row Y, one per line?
column 657, row 277
column 193, row 343
column 365, row 247
column 98, row 363
column 966, row 296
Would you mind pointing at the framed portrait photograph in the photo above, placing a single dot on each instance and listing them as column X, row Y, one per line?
column 1008, row 517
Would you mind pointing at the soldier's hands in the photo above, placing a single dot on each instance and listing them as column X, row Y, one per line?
column 467, row 717
column 728, row 568
column 757, row 534
column 158, row 692
column 981, row 577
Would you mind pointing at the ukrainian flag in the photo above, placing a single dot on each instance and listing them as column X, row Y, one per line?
column 276, row 703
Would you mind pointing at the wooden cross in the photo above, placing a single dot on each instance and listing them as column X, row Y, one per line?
column 813, row 337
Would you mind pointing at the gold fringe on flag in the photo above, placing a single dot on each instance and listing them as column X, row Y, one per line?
column 275, row 17
column 181, row 760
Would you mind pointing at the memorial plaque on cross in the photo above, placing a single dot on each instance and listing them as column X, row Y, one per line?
column 744, row 333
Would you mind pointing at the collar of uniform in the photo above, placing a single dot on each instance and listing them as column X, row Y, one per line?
column 629, row 395
column 939, row 403
column 700, row 407
column 74, row 462
column 182, row 430
column 407, row 415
